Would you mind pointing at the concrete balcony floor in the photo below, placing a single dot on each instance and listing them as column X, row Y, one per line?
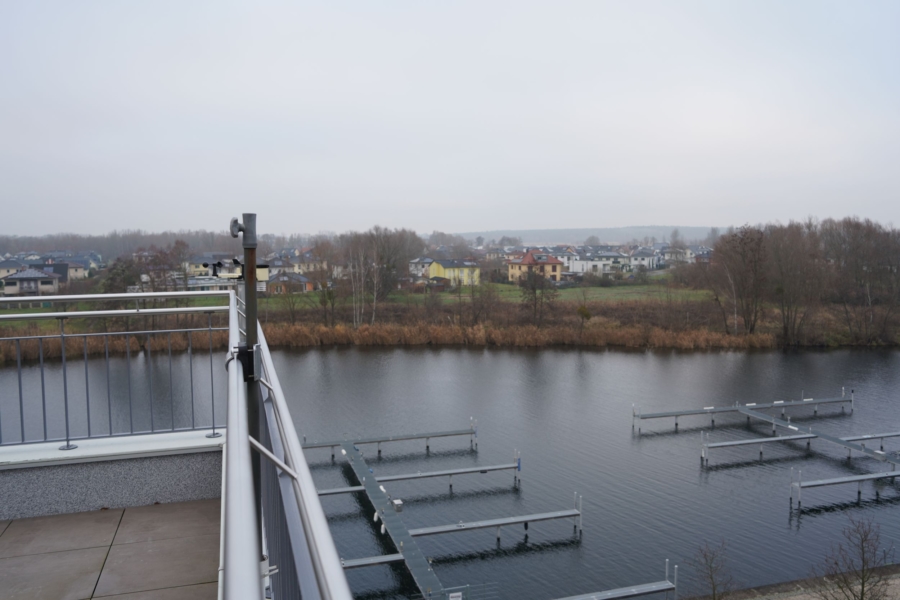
column 157, row 552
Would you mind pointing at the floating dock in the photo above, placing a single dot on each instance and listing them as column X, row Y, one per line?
column 706, row 445
column 635, row 591
column 711, row 411
column 387, row 508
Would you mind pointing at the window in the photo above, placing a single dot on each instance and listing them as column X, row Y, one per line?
column 554, row 268
column 46, row 282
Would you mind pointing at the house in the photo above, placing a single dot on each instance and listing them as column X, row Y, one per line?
column 290, row 283
column 685, row 254
column 30, row 282
column 278, row 266
column 10, row 266
column 418, row 267
column 535, row 261
column 602, row 262
column 459, row 272
column 309, row 262
column 644, row 257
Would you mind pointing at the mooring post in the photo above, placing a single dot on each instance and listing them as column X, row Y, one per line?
column 676, row 582
column 667, row 569
column 580, row 514
column 379, row 449
column 676, row 422
column 859, row 491
column 498, row 533
column 792, row 486
column 427, row 444
column 851, row 400
column 760, row 451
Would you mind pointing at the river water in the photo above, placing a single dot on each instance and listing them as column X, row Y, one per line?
column 646, row 496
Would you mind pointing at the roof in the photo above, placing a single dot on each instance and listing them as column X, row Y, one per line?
column 32, row 274
column 456, row 264
column 290, row 277
column 533, row 257
column 11, row 264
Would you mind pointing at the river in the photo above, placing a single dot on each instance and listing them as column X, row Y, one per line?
column 646, row 496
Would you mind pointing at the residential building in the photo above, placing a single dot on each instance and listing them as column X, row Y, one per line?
column 278, row 266
column 644, row 257
column 535, row 261
column 290, row 283
column 10, row 266
column 464, row 272
column 418, row 267
column 600, row 263
column 30, row 282
column 309, row 262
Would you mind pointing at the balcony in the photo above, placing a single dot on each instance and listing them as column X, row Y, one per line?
column 126, row 458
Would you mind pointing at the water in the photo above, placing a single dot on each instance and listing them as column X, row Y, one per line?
column 646, row 497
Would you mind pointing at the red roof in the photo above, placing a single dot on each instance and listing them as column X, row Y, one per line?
column 535, row 257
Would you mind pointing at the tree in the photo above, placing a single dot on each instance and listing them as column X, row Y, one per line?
column 291, row 295
column 592, row 240
column 865, row 268
column 507, row 240
column 583, row 312
column 738, row 272
column 711, row 570
column 675, row 240
column 796, row 275
column 852, row 569
column 483, row 299
column 479, row 241
column 538, row 293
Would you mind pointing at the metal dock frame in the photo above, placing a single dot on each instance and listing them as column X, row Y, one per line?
column 392, row 524
column 472, row 432
column 706, row 445
column 637, row 415
column 798, row 484
column 635, row 591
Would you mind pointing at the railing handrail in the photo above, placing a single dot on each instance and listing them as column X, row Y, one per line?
column 131, row 312
column 123, row 296
column 330, row 576
column 242, row 579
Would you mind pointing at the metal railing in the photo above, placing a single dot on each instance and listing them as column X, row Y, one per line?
column 294, row 552
column 298, row 539
column 92, row 393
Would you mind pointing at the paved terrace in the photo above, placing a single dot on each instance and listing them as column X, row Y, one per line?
column 157, row 552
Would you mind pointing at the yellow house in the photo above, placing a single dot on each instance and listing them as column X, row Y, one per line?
column 463, row 272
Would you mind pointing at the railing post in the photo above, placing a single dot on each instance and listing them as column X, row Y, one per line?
column 212, row 382
column 62, row 344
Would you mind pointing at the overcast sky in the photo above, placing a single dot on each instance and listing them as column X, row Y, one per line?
column 458, row 116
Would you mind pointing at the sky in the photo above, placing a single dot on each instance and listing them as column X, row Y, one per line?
column 452, row 116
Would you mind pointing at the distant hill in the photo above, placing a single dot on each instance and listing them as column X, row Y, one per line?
column 607, row 235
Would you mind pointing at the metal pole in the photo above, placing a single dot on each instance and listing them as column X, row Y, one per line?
column 108, row 390
column 248, row 228
column 62, row 345
column 150, row 377
column 43, row 387
column 21, row 403
column 171, row 392
column 191, row 369
column 212, row 382
column 87, row 387
column 128, row 373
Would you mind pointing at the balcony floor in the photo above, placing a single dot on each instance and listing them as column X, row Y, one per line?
column 158, row 552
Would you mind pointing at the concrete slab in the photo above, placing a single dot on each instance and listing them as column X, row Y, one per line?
column 57, row 533
column 69, row 575
column 205, row 591
column 144, row 566
column 168, row 521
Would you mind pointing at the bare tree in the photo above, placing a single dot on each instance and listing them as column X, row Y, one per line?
column 290, row 294
column 851, row 570
column 538, row 293
column 796, row 275
column 738, row 272
column 711, row 571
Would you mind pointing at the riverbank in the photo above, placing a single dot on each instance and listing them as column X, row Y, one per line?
column 283, row 335
column 805, row 589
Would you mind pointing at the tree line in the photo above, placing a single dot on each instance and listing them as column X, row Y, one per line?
column 848, row 267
